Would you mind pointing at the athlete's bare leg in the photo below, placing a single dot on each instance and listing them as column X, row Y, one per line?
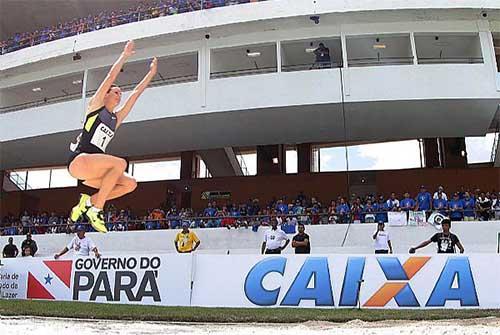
column 107, row 168
column 124, row 185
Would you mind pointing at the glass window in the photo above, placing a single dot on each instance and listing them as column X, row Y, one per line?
column 38, row 179
column 62, row 178
column 159, row 170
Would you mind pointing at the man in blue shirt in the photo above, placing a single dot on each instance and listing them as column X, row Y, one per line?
column 424, row 200
column 343, row 210
column 407, row 204
column 440, row 204
column 456, row 207
column 469, row 205
column 282, row 207
column 381, row 208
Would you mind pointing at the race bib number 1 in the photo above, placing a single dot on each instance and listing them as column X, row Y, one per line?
column 102, row 137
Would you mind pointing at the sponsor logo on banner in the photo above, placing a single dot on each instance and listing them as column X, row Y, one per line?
column 313, row 282
column 50, row 281
column 107, row 278
column 104, row 279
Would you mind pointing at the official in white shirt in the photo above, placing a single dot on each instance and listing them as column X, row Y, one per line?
column 438, row 192
column 273, row 239
column 382, row 240
column 81, row 244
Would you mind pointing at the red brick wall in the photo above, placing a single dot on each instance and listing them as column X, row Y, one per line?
column 325, row 186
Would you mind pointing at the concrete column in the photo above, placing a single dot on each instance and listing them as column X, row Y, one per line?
column 304, row 158
column 2, row 214
column 187, row 168
column 431, row 152
column 453, row 152
column 271, row 159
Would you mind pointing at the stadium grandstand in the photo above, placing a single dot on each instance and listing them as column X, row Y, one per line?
column 337, row 115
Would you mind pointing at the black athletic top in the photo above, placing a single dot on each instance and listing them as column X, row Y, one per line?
column 98, row 131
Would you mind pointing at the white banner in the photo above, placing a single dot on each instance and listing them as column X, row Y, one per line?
column 160, row 280
column 396, row 219
column 332, row 281
column 326, row 281
column 416, row 218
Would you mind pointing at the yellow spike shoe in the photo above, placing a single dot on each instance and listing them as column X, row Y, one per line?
column 80, row 209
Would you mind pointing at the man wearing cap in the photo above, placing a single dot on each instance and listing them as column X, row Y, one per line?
column 81, row 244
column 446, row 241
column 382, row 240
column 185, row 239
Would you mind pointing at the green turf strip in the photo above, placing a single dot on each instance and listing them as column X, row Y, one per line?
column 224, row 315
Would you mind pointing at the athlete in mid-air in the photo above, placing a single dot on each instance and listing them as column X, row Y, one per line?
column 88, row 161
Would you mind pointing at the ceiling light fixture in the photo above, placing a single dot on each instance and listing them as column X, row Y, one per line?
column 36, row 89
column 275, row 160
column 379, row 46
column 310, row 50
column 76, row 82
column 253, row 54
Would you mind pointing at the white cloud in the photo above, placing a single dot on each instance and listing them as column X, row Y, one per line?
column 479, row 148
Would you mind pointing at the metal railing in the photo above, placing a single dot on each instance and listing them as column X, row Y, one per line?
column 243, row 72
column 311, row 66
column 450, row 60
column 107, row 20
column 75, row 96
column 227, row 221
column 377, row 61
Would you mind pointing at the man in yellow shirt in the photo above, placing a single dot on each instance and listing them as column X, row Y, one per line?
column 185, row 239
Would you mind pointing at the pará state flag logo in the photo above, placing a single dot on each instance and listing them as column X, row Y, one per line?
column 50, row 280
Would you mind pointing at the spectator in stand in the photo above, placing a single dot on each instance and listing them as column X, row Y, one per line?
column 369, row 212
column 357, row 212
column 382, row 240
column 407, row 204
column 469, row 205
column 424, row 201
column 381, row 210
column 323, row 59
column 210, row 212
column 27, row 222
column 10, row 250
column 446, row 241
column 495, row 205
column 301, row 242
column 456, row 208
column 440, row 192
column 81, row 244
column 392, row 204
column 29, row 247
column 440, row 204
column 282, row 207
column 343, row 211
column 332, row 214
column 186, row 241
column 53, row 223
column 483, row 206
column 273, row 240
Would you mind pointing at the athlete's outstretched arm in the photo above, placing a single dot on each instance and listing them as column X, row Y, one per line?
column 98, row 99
column 123, row 111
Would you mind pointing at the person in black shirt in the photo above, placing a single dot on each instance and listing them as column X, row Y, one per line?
column 30, row 244
column 446, row 241
column 301, row 241
column 10, row 250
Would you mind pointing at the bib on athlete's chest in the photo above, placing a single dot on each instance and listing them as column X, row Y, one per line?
column 102, row 136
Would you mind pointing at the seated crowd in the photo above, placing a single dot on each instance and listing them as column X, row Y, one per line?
column 143, row 11
column 462, row 205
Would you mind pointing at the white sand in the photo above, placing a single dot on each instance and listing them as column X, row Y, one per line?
column 42, row 326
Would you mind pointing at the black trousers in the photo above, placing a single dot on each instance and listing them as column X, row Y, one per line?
column 272, row 251
column 381, row 251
